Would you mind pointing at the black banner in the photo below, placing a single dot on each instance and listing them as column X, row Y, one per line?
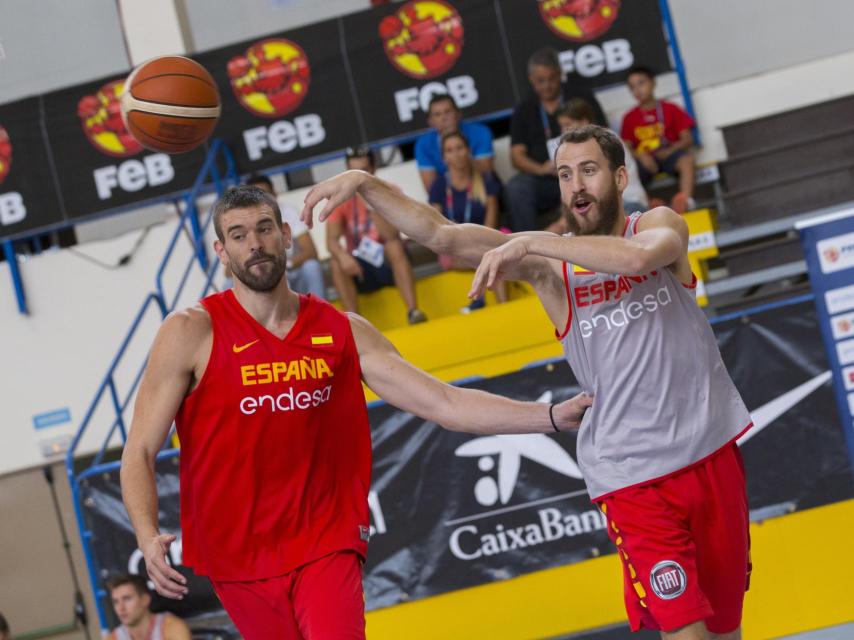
column 28, row 196
column 403, row 54
column 99, row 164
column 597, row 41
column 286, row 97
column 451, row 510
column 295, row 96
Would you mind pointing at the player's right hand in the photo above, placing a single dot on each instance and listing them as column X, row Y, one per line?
column 335, row 191
column 167, row 582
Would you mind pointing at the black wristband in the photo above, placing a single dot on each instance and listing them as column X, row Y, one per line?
column 552, row 418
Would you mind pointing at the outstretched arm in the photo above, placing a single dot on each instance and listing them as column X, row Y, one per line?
column 661, row 241
column 418, row 220
column 167, row 378
column 469, row 410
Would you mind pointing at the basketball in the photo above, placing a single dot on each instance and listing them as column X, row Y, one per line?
column 170, row 104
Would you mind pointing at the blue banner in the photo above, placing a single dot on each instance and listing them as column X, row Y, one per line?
column 828, row 243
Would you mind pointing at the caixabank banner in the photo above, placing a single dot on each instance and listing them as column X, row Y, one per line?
column 285, row 97
column 451, row 510
column 99, row 165
column 403, row 54
column 29, row 199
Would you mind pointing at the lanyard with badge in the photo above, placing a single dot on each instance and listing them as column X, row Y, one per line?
column 544, row 117
column 449, row 201
column 367, row 249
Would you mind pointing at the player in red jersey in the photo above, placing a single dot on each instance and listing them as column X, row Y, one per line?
column 265, row 388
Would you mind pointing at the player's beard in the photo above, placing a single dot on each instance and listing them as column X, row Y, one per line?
column 607, row 207
column 268, row 279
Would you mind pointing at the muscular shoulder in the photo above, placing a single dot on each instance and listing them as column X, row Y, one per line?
column 368, row 339
column 185, row 334
column 174, row 628
column 663, row 217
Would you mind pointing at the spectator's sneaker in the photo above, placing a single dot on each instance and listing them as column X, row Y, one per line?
column 682, row 203
column 416, row 316
column 476, row 304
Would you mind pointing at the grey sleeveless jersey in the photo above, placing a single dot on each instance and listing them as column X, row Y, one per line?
column 122, row 632
column 662, row 396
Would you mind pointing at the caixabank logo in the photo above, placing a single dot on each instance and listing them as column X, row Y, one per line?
column 272, row 78
column 579, row 20
column 424, row 38
column 101, row 118
column 5, row 154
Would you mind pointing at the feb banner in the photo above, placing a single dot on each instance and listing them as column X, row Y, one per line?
column 99, row 165
column 401, row 55
column 29, row 199
column 451, row 510
column 828, row 243
column 285, row 97
column 597, row 41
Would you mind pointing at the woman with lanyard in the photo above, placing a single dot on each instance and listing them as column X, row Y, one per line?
column 465, row 196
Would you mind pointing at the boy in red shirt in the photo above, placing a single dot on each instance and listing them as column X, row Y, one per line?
column 659, row 135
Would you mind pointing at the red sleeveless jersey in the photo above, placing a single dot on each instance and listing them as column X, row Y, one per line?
column 275, row 445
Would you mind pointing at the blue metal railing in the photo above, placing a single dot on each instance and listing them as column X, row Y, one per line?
column 209, row 177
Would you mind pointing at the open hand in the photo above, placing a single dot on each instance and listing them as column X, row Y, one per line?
column 335, row 191
column 568, row 414
column 494, row 262
column 167, row 582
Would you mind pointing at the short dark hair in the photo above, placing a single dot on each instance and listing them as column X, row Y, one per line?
column 577, row 109
column 456, row 133
column 642, row 70
column 361, row 151
column 442, row 97
column 611, row 145
column 4, row 626
column 545, row 57
column 246, row 195
column 259, row 178
column 134, row 580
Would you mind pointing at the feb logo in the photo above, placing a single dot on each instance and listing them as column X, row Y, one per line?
column 101, row 118
column 5, row 154
column 272, row 78
column 423, row 39
column 831, row 254
column 579, row 20
column 668, row 580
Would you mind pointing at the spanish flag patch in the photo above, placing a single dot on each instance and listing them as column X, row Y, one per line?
column 324, row 338
column 581, row 271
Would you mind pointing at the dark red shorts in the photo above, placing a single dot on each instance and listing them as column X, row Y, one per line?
column 322, row 599
column 685, row 546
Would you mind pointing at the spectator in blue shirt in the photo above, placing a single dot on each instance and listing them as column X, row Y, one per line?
column 464, row 194
column 444, row 116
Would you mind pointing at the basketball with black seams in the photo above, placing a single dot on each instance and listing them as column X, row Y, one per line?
column 170, row 104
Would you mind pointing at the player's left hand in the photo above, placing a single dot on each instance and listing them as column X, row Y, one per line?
column 494, row 262
column 568, row 414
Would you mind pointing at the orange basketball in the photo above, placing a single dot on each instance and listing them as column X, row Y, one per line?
column 170, row 104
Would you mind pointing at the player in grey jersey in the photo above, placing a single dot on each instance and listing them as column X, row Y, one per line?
column 657, row 446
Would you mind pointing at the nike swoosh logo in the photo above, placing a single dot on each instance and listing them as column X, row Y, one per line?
column 770, row 411
column 244, row 347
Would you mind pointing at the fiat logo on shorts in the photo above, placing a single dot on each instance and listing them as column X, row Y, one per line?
column 668, row 580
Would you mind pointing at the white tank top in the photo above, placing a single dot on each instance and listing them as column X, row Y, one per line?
column 155, row 633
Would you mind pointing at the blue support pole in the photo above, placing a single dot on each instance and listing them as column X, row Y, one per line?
column 12, row 259
column 677, row 62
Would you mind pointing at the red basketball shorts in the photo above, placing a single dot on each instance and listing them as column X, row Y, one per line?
column 320, row 600
column 685, row 545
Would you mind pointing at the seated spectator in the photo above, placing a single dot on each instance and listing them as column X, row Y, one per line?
column 4, row 629
column 463, row 194
column 577, row 113
column 444, row 116
column 374, row 256
column 305, row 275
column 535, row 189
column 659, row 134
column 131, row 600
